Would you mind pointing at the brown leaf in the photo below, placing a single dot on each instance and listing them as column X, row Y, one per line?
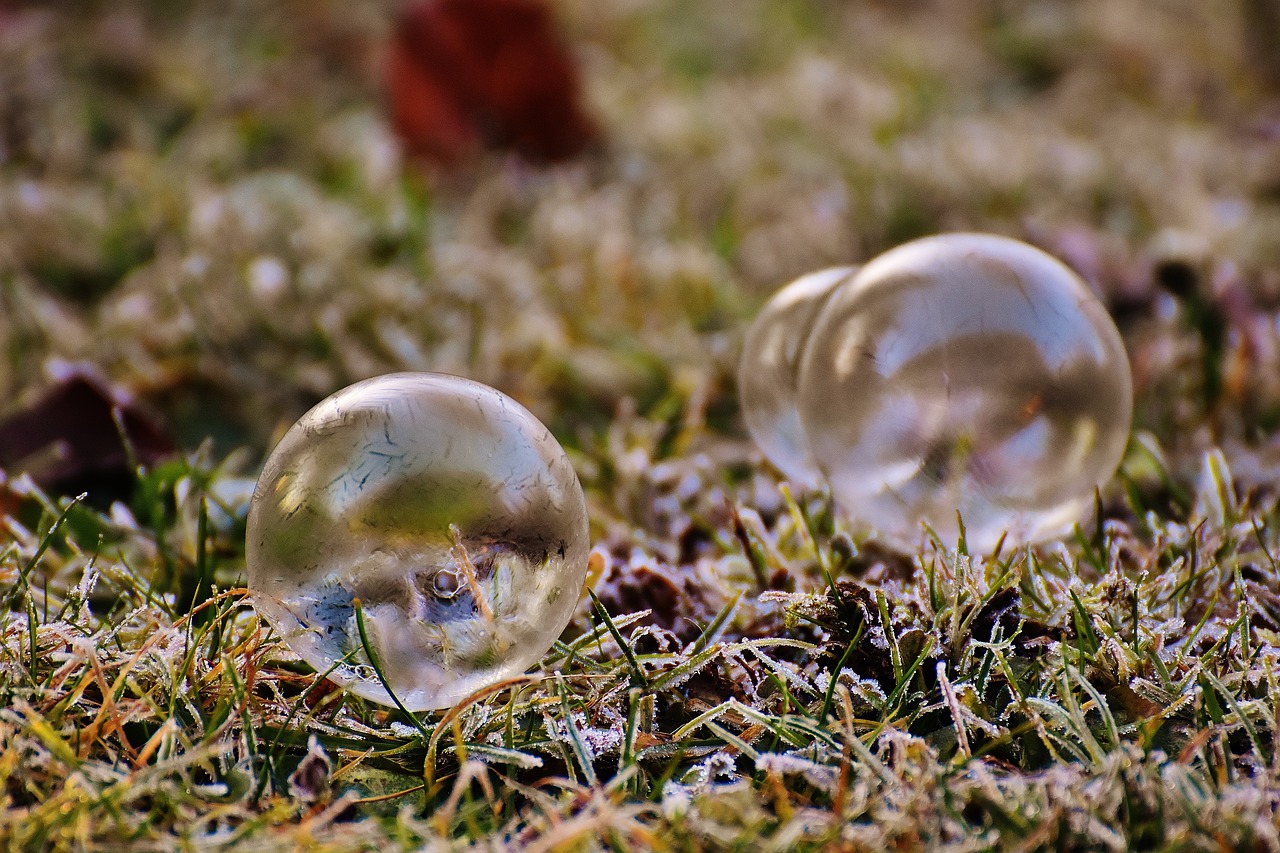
column 463, row 74
column 678, row 603
column 310, row 781
column 69, row 438
column 1262, row 38
column 9, row 500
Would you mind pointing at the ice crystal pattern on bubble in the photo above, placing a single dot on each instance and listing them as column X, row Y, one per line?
column 446, row 510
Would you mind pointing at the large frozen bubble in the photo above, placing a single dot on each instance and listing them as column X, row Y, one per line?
column 446, row 510
column 968, row 373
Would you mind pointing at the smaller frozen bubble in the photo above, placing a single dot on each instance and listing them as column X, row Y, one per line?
column 970, row 373
column 767, row 372
column 441, row 505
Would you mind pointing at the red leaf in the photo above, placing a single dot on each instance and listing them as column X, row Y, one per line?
column 68, row 440
column 467, row 73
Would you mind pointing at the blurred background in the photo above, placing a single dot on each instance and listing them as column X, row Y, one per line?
column 221, row 210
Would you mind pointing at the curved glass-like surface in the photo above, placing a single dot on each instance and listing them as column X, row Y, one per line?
column 968, row 373
column 768, row 370
column 441, row 505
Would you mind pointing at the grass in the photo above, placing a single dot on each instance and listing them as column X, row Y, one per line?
column 746, row 675
column 1120, row 692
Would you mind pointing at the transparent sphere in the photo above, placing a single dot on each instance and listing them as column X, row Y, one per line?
column 768, row 369
column 965, row 372
column 441, row 505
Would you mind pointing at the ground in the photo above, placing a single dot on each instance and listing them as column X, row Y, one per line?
column 205, row 202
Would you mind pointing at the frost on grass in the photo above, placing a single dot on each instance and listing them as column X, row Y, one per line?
column 205, row 202
column 1080, row 697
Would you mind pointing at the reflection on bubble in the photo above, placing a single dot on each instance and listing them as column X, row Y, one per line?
column 767, row 372
column 967, row 373
column 446, row 510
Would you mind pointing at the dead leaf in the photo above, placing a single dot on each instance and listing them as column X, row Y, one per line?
column 677, row 602
column 9, row 500
column 1262, row 39
column 466, row 74
column 310, row 781
column 69, row 438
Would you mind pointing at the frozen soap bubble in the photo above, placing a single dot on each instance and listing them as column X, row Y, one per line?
column 769, row 366
column 965, row 372
column 446, row 509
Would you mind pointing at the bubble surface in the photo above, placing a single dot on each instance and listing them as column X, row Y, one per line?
column 769, row 368
column 446, row 510
column 965, row 372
